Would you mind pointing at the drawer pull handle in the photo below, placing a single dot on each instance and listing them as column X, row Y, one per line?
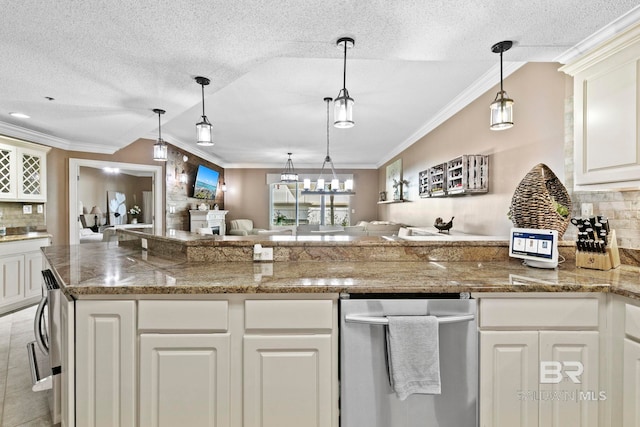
column 382, row 320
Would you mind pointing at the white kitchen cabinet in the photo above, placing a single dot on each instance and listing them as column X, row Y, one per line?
column 289, row 363
column 287, row 381
column 20, row 273
column 23, row 171
column 539, row 361
column 508, row 378
column 606, row 139
column 631, row 384
column 67, row 362
column 32, row 174
column 631, row 365
column 223, row 360
column 8, row 172
column 33, row 266
column 11, row 280
column 105, row 363
column 208, row 219
column 184, row 379
column 573, row 401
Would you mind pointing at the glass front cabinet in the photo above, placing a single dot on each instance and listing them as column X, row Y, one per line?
column 23, row 171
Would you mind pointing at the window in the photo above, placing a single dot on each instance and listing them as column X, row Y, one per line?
column 288, row 203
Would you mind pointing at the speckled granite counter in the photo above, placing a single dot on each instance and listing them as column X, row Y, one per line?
column 112, row 269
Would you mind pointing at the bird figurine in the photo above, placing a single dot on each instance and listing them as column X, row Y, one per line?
column 443, row 226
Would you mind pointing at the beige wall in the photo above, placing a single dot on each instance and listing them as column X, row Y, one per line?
column 538, row 90
column 248, row 194
column 139, row 152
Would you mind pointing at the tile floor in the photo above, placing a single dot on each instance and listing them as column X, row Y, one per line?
column 19, row 406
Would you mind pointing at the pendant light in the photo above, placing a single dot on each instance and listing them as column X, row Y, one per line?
column 289, row 174
column 204, row 136
column 334, row 183
column 160, row 147
column 343, row 105
column 502, row 106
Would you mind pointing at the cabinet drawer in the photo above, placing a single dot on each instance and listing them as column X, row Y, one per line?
column 160, row 315
column 289, row 314
column 632, row 321
column 559, row 313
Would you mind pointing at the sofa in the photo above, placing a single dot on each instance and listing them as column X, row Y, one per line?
column 243, row 227
column 379, row 228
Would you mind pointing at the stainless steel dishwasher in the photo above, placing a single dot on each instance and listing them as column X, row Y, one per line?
column 366, row 398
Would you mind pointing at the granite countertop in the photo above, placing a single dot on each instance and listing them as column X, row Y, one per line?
column 112, row 269
column 24, row 236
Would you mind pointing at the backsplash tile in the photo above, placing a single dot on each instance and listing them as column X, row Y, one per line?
column 17, row 222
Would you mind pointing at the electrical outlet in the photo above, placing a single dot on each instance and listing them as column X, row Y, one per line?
column 40, row 209
column 27, row 209
column 586, row 209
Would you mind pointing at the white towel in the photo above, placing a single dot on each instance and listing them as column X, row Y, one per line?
column 413, row 355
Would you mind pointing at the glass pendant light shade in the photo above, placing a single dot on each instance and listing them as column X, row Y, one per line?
column 348, row 185
column 160, row 153
column 289, row 174
column 343, row 110
column 502, row 107
column 306, row 184
column 320, row 185
column 343, row 104
column 204, row 134
column 501, row 112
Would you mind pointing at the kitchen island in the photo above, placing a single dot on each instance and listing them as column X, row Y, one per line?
column 190, row 329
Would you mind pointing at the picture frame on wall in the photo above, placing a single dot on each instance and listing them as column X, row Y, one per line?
column 394, row 175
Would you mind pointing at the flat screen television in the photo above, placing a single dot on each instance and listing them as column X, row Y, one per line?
column 206, row 183
column 538, row 248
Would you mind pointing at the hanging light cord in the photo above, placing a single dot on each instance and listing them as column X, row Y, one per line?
column 501, row 51
column 202, row 86
column 344, row 68
column 327, row 159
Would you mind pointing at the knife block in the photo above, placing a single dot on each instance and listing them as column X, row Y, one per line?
column 598, row 261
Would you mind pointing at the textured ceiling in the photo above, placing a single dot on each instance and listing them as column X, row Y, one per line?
column 108, row 64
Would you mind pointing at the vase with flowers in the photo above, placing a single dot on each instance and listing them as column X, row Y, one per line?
column 135, row 213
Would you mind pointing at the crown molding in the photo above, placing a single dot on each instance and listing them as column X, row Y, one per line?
column 29, row 135
column 478, row 88
column 616, row 28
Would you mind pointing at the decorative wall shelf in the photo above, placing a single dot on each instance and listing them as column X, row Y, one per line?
column 467, row 174
column 386, row 202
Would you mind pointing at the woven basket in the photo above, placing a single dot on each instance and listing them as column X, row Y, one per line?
column 532, row 202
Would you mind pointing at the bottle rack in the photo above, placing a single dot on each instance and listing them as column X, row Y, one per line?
column 598, row 260
column 466, row 174
column 437, row 180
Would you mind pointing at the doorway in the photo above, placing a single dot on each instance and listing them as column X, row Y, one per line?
column 76, row 167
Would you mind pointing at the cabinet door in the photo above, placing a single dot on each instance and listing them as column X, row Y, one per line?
column 184, row 380
column 32, row 173
column 33, row 274
column 8, row 173
column 573, row 399
column 287, row 381
column 67, row 373
column 11, row 279
column 195, row 224
column 631, row 384
column 508, row 378
column 105, row 363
